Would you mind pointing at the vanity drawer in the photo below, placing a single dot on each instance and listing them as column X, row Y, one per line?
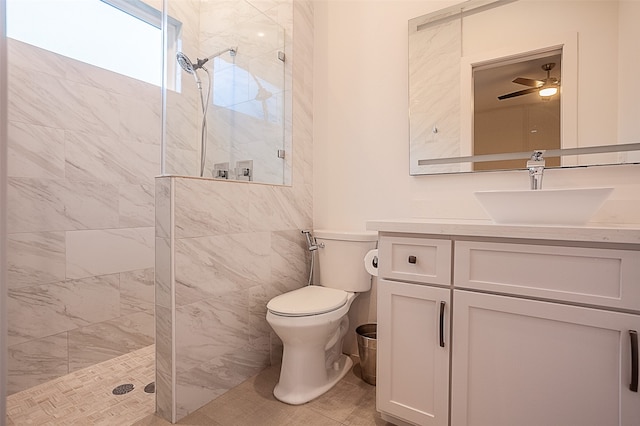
column 601, row 277
column 419, row 260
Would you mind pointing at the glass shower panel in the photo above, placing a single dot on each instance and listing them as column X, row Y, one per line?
column 243, row 134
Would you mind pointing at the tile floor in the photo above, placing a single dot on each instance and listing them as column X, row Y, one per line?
column 85, row 398
column 350, row 402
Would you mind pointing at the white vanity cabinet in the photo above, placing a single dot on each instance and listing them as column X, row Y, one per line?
column 527, row 362
column 546, row 361
column 413, row 348
column 537, row 331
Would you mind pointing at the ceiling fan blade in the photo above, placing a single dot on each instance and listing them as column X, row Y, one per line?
column 528, row 82
column 519, row 93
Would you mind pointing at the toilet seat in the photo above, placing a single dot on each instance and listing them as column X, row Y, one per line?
column 306, row 301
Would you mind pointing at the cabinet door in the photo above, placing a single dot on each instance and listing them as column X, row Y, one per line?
column 413, row 352
column 525, row 362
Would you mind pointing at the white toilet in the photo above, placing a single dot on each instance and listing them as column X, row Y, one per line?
column 312, row 321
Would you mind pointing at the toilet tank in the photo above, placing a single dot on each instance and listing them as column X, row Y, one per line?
column 341, row 261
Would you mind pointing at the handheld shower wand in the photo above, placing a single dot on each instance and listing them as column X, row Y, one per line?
column 191, row 68
column 188, row 66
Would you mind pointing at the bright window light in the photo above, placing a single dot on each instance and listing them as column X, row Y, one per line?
column 123, row 36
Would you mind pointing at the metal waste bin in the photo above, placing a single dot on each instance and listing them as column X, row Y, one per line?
column 366, row 336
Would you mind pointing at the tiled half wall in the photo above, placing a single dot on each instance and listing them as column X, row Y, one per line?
column 224, row 249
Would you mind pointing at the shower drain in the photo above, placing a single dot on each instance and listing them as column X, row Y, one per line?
column 150, row 388
column 122, row 389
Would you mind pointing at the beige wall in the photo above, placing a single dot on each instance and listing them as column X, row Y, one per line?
column 3, row 219
column 361, row 150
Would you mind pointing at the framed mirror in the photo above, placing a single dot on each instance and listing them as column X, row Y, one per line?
column 463, row 59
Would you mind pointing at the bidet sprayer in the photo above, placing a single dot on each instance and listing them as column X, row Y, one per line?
column 312, row 244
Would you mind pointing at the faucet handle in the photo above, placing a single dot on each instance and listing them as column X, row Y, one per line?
column 536, row 158
column 537, row 154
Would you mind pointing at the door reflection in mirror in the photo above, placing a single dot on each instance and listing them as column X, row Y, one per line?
column 510, row 114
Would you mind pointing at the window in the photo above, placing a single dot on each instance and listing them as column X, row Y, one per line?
column 123, row 36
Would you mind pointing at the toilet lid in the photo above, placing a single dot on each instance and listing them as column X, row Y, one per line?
column 310, row 300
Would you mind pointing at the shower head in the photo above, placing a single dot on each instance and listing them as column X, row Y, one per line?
column 190, row 67
column 185, row 63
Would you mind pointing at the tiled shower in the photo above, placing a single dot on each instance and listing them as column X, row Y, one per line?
column 83, row 151
column 87, row 255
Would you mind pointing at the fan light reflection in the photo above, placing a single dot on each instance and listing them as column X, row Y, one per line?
column 548, row 91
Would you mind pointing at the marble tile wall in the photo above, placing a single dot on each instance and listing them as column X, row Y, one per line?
column 233, row 247
column 83, row 151
column 431, row 104
column 224, row 249
column 165, row 306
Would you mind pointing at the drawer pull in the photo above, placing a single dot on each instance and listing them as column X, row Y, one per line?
column 413, row 260
column 442, row 306
column 633, row 334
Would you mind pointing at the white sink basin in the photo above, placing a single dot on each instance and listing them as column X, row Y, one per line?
column 543, row 207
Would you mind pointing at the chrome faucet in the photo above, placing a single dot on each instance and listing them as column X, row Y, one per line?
column 536, row 169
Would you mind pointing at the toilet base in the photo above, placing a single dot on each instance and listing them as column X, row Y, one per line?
column 301, row 395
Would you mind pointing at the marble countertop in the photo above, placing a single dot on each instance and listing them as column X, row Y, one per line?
column 482, row 228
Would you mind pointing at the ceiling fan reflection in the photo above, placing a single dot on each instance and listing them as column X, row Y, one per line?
column 545, row 88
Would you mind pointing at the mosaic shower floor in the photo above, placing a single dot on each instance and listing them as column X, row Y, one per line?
column 85, row 397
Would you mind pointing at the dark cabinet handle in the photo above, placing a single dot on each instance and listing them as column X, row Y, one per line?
column 633, row 334
column 442, row 306
column 413, row 259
